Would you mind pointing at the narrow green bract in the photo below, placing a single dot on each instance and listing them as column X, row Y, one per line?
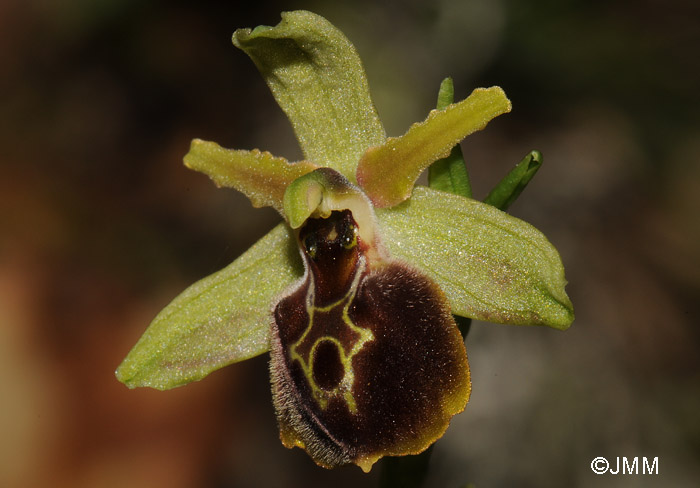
column 512, row 185
column 449, row 173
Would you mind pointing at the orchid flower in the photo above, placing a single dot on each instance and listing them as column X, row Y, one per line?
column 354, row 293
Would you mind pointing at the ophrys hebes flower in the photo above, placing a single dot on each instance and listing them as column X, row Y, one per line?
column 354, row 293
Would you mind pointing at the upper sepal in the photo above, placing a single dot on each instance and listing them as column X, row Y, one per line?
column 317, row 78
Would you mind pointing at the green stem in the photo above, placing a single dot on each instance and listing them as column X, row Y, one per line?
column 405, row 471
column 463, row 324
column 448, row 174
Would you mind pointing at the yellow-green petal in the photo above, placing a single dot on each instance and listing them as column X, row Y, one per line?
column 219, row 320
column 318, row 80
column 260, row 176
column 491, row 265
column 388, row 172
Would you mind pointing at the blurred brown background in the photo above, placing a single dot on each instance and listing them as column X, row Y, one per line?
column 101, row 226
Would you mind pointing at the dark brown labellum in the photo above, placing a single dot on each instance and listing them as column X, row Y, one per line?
column 366, row 359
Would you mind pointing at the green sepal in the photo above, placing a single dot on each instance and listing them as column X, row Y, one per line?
column 388, row 172
column 219, row 320
column 317, row 78
column 510, row 187
column 450, row 173
column 260, row 176
column 491, row 266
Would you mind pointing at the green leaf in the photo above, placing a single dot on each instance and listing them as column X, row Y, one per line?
column 219, row 320
column 317, row 78
column 388, row 172
column 490, row 265
column 450, row 173
column 510, row 187
column 260, row 176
